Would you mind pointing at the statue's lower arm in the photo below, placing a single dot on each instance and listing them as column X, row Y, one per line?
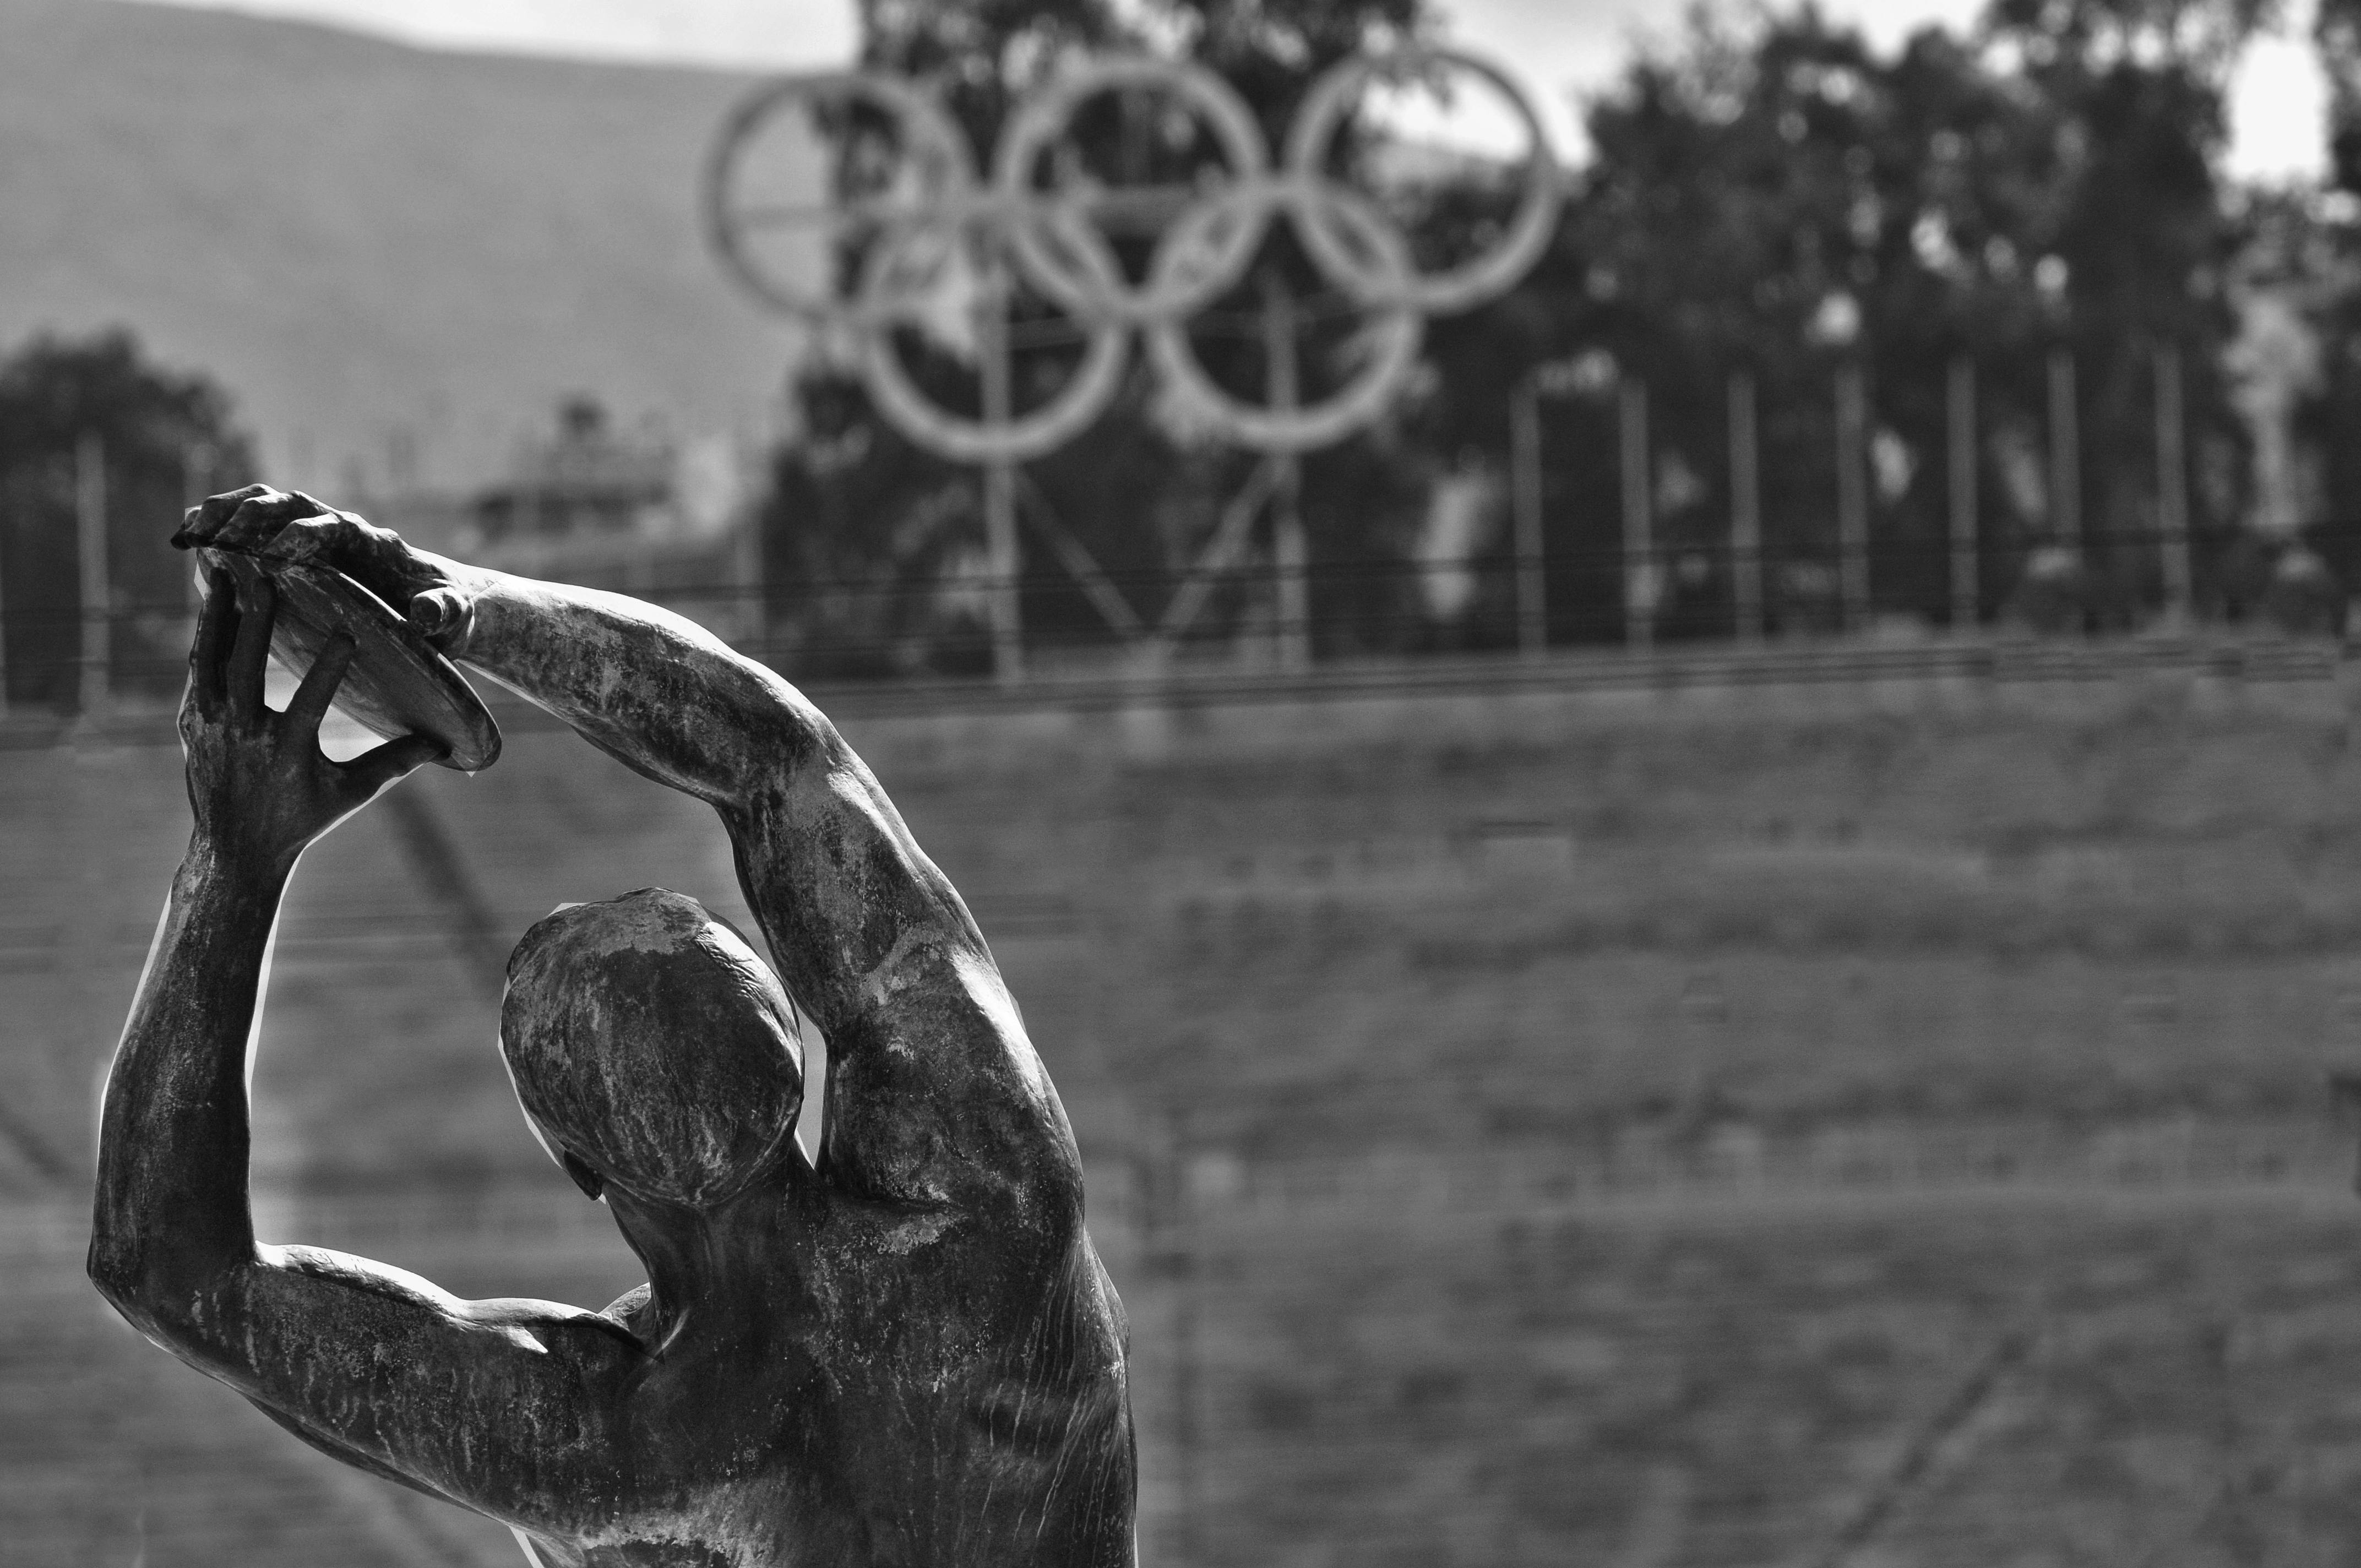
column 171, row 1215
column 171, row 1219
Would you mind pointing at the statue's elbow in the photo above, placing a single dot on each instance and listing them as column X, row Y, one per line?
column 110, row 1265
column 158, row 1300
column 120, row 1275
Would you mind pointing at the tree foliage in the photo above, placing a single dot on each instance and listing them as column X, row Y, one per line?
column 2337, row 29
column 1772, row 196
column 1767, row 195
column 160, row 434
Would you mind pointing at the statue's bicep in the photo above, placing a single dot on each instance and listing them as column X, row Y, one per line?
column 509, row 1406
column 844, row 894
column 935, row 1093
column 938, row 1097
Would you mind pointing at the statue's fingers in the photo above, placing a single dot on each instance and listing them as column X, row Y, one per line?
column 310, row 703
column 216, row 623
column 256, row 523
column 257, row 608
column 304, row 527
column 218, row 509
column 298, row 539
column 373, row 769
column 201, row 524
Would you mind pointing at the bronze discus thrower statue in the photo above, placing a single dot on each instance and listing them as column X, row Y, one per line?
column 902, row 1353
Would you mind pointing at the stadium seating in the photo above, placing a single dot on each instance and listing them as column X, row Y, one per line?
column 1663, row 1126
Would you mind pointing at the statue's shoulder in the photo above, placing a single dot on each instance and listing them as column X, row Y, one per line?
column 631, row 1310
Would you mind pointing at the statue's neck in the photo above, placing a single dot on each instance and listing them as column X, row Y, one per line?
column 697, row 1260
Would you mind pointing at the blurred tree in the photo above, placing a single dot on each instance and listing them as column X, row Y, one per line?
column 166, row 438
column 2337, row 29
column 2333, row 244
column 1770, row 195
column 2307, row 250
column 2149, row 230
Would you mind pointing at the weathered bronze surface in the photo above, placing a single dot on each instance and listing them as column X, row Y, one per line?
column 902, row 1353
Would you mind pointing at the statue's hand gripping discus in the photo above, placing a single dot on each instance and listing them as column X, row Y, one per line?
column 399, row 683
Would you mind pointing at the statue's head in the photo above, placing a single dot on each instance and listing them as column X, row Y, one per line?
column 650, row 1044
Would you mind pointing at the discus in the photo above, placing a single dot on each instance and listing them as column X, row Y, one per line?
column 397, row 684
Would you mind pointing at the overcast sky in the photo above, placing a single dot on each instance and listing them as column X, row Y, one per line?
column 1560, row 49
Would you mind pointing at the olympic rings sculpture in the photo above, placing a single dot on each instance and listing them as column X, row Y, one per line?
column 938, row 210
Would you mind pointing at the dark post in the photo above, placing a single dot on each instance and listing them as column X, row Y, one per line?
column 1290, row 553
column 2172, row 488
column 1526, row 483
column 1000, row 491
column 2064, row 454
column 1745, row 511
column 197, row 482
column 1965, row 588
column 1640, row 586
column 97, row 606
column 1853, row 496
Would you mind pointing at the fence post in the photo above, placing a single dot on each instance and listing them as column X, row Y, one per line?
column 1000, row 492
column 2064, row 454
column 2172, row 489
column 7, row 526
column 1853, row 497
column 1639, row 584
column 1178, row 1242
column 751, row 616
column 197, row 458
column 1525, row 494
column 97, row 607
column 1000, row 536
column 1290, row 551
column 1745, row 511
column 1966, row 590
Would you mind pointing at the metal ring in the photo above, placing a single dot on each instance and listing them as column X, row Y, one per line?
column 1399, row 329
column 1084, row 396
column 928, row 139
column 1041, row 120
column 1471, row 282
column 1055, row 242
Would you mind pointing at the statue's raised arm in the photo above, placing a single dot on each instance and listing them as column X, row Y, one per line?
column 907, row 1354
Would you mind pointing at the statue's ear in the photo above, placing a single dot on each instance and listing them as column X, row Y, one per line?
column 589, row 1180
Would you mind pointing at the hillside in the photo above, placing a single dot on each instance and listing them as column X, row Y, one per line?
column 372, row 246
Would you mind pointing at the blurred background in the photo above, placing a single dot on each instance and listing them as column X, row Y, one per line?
column 1719, row 937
